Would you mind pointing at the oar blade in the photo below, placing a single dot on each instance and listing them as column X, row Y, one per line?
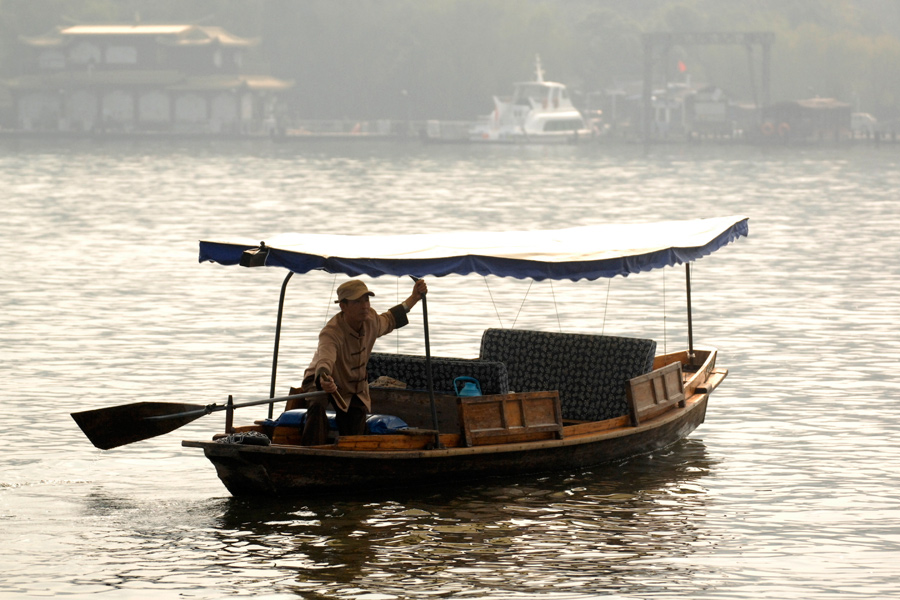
column 116, row 426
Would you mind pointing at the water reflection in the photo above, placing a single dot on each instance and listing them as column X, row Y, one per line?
column 601, row 529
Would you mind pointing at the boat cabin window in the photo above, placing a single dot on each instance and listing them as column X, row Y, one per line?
column 526, row 92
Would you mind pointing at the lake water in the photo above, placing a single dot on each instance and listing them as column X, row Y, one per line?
column 789, row 490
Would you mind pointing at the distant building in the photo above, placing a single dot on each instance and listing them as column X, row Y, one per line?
column 166, row 78
column 815, row 119
column 623, row 110
column 709, row 112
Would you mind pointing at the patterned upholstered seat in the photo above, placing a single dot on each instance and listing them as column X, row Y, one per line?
column 411, row 370
column 589, row 371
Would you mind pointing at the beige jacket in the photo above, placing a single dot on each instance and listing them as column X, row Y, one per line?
column 344, row 353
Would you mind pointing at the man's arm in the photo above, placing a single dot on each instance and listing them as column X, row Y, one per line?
column 326, row 357
column 398, row 313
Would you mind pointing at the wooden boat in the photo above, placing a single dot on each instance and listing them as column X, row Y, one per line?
column 550, row 401
column 501, row 435
column 452, row 438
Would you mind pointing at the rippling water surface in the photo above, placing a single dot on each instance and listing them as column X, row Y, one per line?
column 789, row 490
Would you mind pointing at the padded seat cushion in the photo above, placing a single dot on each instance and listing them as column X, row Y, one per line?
column 589, row 371
column 411, row 370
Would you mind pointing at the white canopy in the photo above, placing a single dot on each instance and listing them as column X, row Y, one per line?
column 588, row 252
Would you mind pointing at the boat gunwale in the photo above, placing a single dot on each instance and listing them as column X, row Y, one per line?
column 693, row 403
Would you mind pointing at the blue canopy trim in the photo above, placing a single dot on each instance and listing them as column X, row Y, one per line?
column 624, row 263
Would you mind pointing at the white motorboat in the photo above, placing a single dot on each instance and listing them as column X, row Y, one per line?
column 538, row 112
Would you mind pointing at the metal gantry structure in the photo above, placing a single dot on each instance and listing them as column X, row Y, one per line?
column 657, row 46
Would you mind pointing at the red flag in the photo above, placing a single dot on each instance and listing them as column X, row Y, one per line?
column 681, row 67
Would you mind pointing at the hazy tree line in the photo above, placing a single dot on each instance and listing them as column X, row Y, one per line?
column 444, row 59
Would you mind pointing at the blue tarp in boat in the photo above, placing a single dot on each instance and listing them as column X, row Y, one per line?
column 588, row 252
column 375, row 424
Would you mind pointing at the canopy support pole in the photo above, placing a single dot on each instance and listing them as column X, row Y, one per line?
column 229, row 415
column 277, row 340
column 687, row 273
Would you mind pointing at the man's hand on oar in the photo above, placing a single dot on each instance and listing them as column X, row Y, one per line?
column 328, row 385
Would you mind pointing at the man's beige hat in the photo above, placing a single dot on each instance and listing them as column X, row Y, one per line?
column 352, row 290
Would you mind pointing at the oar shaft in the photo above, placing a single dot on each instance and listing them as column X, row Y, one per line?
column 315, row 394
column 217, row 407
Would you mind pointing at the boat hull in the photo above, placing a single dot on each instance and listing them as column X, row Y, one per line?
column 517, row 136
column 283, row 470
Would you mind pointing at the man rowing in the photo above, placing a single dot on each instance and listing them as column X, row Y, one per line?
column 339, row 364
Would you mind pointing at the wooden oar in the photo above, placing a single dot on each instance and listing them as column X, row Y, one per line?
column 119, row 425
